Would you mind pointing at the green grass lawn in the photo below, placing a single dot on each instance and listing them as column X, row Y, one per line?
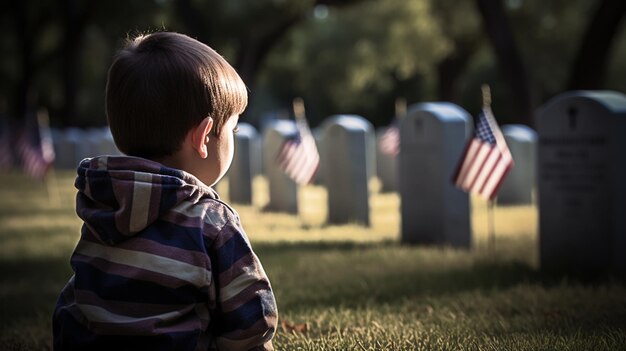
column 341, row 287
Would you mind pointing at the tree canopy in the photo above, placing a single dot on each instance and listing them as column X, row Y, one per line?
column 341, row 56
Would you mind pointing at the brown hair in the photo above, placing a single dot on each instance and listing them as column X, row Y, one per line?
column 161, row 85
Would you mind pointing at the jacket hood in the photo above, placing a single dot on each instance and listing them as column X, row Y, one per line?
column 119, row 196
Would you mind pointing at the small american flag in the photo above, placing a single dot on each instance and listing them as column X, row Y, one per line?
column 298, row 156
column 389, row 143
column 34, row 146
column 486, row 160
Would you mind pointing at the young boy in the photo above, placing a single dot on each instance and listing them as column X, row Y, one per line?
column 162, row 262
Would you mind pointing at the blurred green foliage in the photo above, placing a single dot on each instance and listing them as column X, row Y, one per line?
column 357, row 59
column 350, row 56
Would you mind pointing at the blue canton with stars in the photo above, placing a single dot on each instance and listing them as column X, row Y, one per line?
column 483, row 130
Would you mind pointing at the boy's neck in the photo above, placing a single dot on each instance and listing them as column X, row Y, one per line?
column 184, row 159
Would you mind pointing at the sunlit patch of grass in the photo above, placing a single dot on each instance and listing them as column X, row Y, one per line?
column 515, row 226
column 310, row 224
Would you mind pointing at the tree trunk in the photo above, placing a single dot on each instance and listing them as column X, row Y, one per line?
column 255, row 48
column 590, row 65
column 25, row 41
column 196, row 22
column 450, row 69
column 502, row 39
column 71, row 61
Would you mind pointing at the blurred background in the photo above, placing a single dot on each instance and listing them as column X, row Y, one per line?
column 340, row 56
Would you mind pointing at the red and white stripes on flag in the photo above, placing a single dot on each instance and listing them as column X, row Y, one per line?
column 389, row 143
column 34, row 147
column 298, row 156
column 486, row 160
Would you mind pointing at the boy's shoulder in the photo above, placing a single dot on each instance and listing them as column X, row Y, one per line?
column 211, row 213
column 217, row 222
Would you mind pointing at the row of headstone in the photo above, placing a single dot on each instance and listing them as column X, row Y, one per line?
column 575, row 164
column 433, row 138
column 518, row 187
column 347, row 163
column 71, row 145
column 579, row 162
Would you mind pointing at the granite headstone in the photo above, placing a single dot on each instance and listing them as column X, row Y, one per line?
column 582, row 187
column 70, row 148
column 283, row 191
column 346, row 145
column 520, row 183
column 241, row 171
column 370, row 140
column 432, row 140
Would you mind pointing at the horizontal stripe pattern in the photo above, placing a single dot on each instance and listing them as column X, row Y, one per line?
column 298, row 156
column 138, row 309
column 123, row 283
column 160, row 258
column 195, row 275
column 389, row 143
column 34, row 146
column 486, row 160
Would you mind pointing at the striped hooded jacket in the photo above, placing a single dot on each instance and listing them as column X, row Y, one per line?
column 161, row 264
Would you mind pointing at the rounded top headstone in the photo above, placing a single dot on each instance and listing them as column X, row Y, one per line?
column 443, row 111
column 74, row 134
column 610, row 100
column 56, row 134
column 282, row 126
column 106, row 132
column 349, row 122
column 246, row 130
column 519, row 132
column 425, row 121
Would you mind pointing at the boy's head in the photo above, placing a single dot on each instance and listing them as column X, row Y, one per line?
column 163, row 85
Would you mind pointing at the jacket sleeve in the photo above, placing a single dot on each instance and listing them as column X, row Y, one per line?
column 244, row 314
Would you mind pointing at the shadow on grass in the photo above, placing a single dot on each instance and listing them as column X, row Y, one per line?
column 306, row 275
column 282, row 247
column 327, row 274
column 29, row 288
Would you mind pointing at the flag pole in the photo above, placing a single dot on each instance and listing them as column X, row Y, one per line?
column 300, row 116
column 400, row 107
column 486, row 90
column 298, row 109
column 50, row 179
column 491, row 225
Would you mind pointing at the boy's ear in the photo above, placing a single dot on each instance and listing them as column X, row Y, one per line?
column 200, row 136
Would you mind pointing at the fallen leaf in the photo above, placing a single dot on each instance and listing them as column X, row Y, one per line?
column 294, row 328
